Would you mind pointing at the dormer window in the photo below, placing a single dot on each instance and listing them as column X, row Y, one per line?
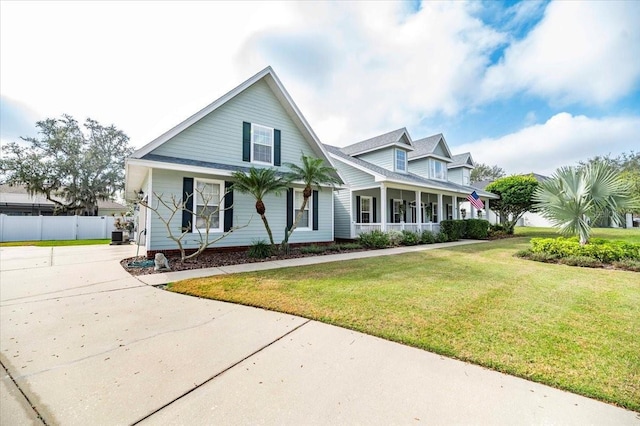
column 437, row 170
column 401, row 161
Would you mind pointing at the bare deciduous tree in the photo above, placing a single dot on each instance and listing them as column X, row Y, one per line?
column 175, row 205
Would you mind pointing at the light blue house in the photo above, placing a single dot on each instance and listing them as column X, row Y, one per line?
column 257, row 124
column 396, row 183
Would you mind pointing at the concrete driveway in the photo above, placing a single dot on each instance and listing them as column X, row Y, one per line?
column 82, row 342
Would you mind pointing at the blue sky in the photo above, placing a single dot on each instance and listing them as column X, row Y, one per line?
column 529, row 86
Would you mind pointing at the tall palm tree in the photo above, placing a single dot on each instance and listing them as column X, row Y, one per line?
column 574, row 198
column 258, row 183
column 312, row 173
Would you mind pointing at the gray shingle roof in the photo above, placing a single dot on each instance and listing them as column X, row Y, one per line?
column 377, row 142
column 425, row 146
column 483, row 183
column 409, row 178
column 461, row 160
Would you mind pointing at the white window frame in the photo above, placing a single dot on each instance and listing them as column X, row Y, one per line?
column 196, row 197
column 370, row 211
column 254, row 127
column 395, row 160
column 308, row 208
column 432, row 169
column 434, row 213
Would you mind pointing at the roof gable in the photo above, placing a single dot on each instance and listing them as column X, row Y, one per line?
column 431, row 146
column 271, row 79
column 399, row 137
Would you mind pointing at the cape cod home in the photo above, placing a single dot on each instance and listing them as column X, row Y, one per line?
column 257, row 124
column 396, row 183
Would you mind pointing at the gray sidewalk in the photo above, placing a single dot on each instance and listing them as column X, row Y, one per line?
column 87, row 343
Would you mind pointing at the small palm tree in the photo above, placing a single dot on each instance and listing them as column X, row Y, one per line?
column 574, row 198
column 258, row 183
column 312, row 173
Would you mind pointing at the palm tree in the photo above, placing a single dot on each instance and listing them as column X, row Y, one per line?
column 574, row 198
column 258, row 183
column 312, row 173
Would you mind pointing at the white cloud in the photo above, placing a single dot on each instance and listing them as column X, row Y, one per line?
column 580, row 52
column 379, row 66
column 562, row 141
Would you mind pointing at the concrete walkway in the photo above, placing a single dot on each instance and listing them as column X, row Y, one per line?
column 86, row 343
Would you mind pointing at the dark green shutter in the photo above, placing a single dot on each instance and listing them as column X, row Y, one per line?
column 393, row 219
column 357, row 209
column 187, row 198
column 375, row 210
column 404, row 212
column 316, row 202
column 276, row 147
column 228, row 206
column 289, row 208
column 246, row 141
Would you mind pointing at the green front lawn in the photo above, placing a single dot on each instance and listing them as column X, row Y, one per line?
column 54, row 243
column 572, row 328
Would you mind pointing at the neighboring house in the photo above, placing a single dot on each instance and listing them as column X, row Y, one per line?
column 16, row 201
column 395, row 183
column 257, row 124
column 529, row 218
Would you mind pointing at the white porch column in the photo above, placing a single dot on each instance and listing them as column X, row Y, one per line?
column 383, row 206
column 455, row 207
column 440, row 215
column 473, row 211
column 419, row 209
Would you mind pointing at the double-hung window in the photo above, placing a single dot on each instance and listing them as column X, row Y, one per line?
column 398, row 215
column 297, row 203
column 208, row 205
column 401, row 160
column 438, row 170
column 261, row 144
column 365, row 210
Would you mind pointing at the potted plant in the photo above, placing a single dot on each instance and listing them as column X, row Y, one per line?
column 463, row 212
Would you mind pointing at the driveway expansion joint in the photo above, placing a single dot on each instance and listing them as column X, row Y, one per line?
column 221, row 372
column 5, row 370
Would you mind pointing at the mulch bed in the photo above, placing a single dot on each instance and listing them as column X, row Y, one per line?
column 209, row 259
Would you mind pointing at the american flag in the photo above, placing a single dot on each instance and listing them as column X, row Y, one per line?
column 475, row 200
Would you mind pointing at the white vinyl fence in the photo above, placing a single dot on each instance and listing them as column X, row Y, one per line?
column 40, row 228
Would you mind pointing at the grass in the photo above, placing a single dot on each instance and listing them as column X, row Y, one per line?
column 572, row 328
column 54, row 243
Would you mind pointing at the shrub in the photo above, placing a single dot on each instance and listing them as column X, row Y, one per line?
column 583, row 261
column 628, row 265
column 410, row 238
column 477, row 229
column 599, row 249
column 454, row 229
column 395, row 238
column 442, row 237
column 349, row 246
column 259, row 250
column 526, row 253
column 496, row 227
column 374, row 239
column 313, row 249
column 427, row 237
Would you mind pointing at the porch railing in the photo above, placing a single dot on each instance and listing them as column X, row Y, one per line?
column 359, row 228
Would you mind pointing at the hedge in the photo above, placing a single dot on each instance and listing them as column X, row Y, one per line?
column 599, row 249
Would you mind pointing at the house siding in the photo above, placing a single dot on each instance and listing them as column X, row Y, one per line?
column 439, row 150
column 382, row 158
column 455, row 175
column 420, row 167
column 342, row 214
column 166, row 182
column 217, row 137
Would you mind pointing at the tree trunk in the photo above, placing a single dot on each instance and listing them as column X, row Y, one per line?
column 266, row 225
column 298, row 216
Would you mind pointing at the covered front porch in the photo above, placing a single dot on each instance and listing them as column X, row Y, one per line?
column 389, row 207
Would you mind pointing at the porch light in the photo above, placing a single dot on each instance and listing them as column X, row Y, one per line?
column 140, row 195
